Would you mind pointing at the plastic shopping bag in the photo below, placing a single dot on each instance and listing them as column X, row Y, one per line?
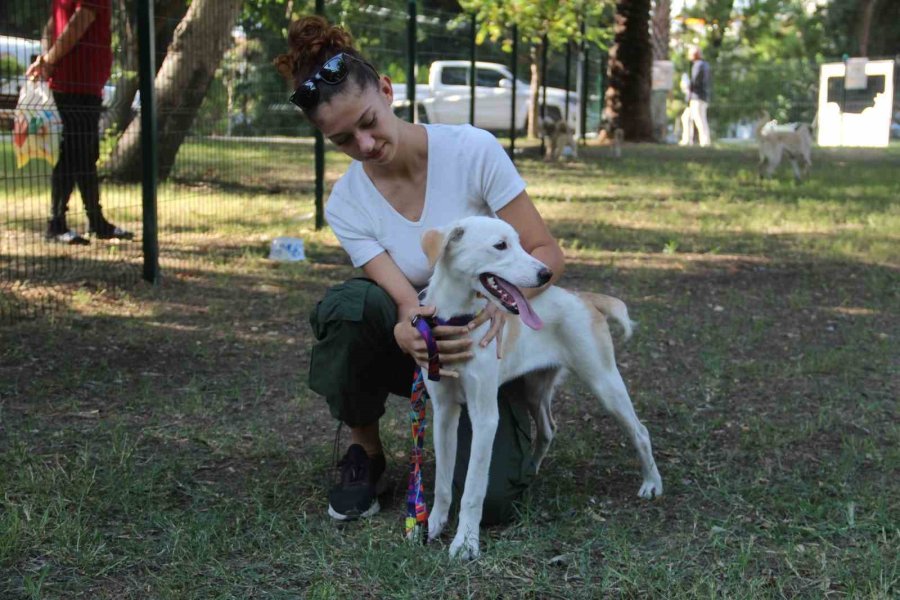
column 36, row 124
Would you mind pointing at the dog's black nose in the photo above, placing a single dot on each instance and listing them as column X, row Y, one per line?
column 544, row 275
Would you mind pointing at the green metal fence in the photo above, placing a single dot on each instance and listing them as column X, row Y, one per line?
column 247, row 158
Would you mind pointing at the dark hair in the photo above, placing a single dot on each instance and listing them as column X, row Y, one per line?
column 311, row 42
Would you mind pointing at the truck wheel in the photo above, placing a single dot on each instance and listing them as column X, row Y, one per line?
column 422, row 114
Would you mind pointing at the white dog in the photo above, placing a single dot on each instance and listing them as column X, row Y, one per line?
column 776, row 141
column 559, row 139
column 481, row 257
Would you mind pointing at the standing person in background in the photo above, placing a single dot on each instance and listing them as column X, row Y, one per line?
column 77, row 64
column 686, row 129
column 698, row 98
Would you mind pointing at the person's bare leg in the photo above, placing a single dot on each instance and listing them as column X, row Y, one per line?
column 368, row 437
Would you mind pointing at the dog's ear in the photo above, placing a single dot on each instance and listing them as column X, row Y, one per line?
column 432, row 244
column 455, row 235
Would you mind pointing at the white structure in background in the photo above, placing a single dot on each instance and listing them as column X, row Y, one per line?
column 855, row 103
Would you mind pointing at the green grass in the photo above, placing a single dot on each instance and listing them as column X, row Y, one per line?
column 160, row 442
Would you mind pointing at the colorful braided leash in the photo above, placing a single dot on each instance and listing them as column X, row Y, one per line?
column 416, row 508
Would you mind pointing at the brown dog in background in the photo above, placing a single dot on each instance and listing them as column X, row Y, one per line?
column 557, row 136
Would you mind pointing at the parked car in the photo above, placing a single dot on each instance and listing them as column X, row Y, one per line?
column 445, row 98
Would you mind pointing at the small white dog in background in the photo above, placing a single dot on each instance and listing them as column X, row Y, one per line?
column 793, row 140
column 557, row 331
column 559, row 139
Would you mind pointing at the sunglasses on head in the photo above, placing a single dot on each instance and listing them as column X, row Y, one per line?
column 332, row 72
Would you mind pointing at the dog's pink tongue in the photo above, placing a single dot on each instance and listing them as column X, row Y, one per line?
column 526, row 313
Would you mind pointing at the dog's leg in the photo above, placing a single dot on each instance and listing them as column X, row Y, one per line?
column 446, row 420
column 609, row 387
column 538, row 392
column 481, row 395
column 620, row 138
column 774, row 160
column 795, row 165
column 554, row 146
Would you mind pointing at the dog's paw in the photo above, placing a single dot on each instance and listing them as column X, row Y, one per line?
column 651, row 488
column 464, row 547
column 436, row 524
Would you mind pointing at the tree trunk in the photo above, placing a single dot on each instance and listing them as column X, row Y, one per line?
column 866, row 11
column 127, row 83
column 167, row 14
column 197, row 47
column 630, row 63
column 662, row 24
column 534, row 92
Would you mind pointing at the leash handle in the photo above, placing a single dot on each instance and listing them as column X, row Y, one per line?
column 423, row 326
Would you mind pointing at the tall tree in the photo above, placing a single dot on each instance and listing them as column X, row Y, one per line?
column 862, row 27
column 558, row 21
column 197, row 47
column 662, row 25
column 167, row 14
column 629, row 72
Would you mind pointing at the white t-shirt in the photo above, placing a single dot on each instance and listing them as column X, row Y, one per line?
column 469, row 174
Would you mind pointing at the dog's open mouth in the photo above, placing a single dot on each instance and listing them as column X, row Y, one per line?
column 511, row 298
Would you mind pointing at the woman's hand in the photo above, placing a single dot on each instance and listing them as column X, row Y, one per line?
column 453, row 342
column 39, row 69
column 497, row 317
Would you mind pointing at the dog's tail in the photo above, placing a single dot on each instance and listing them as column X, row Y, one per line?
column 611, row 307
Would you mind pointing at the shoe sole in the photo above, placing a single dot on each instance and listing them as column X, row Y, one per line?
column 82, row 242
column 373, row 509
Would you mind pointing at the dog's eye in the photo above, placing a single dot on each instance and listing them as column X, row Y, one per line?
column 500, row 245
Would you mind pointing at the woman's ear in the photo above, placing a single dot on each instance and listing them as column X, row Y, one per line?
column 386, row 88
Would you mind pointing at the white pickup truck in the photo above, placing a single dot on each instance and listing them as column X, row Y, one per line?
column 445, row 98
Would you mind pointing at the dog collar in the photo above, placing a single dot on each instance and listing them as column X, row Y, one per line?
column 424, row 325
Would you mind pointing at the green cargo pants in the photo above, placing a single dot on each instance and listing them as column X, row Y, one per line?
column 356, row 362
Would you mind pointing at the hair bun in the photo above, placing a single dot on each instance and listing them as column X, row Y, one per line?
column 311, row 41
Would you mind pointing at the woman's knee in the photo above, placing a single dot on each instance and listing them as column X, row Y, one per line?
column 352, row 309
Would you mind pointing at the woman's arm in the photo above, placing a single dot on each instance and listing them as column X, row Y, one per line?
column 384, row 271
column 535, row 237
column 75, row 28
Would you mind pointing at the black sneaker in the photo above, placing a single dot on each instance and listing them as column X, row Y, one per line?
column 356, row 496
column 113, row 232
column 70, row 237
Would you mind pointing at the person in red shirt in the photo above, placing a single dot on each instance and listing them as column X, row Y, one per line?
column 77, row 64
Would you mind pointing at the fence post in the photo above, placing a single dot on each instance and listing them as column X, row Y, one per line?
column 149, row 150
column 514, row 62
column 411, row 59
column 546, row 42
column 585, row 85
column 319, row 152
column 568, row 78
column 472, row 73
column 604, row 65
